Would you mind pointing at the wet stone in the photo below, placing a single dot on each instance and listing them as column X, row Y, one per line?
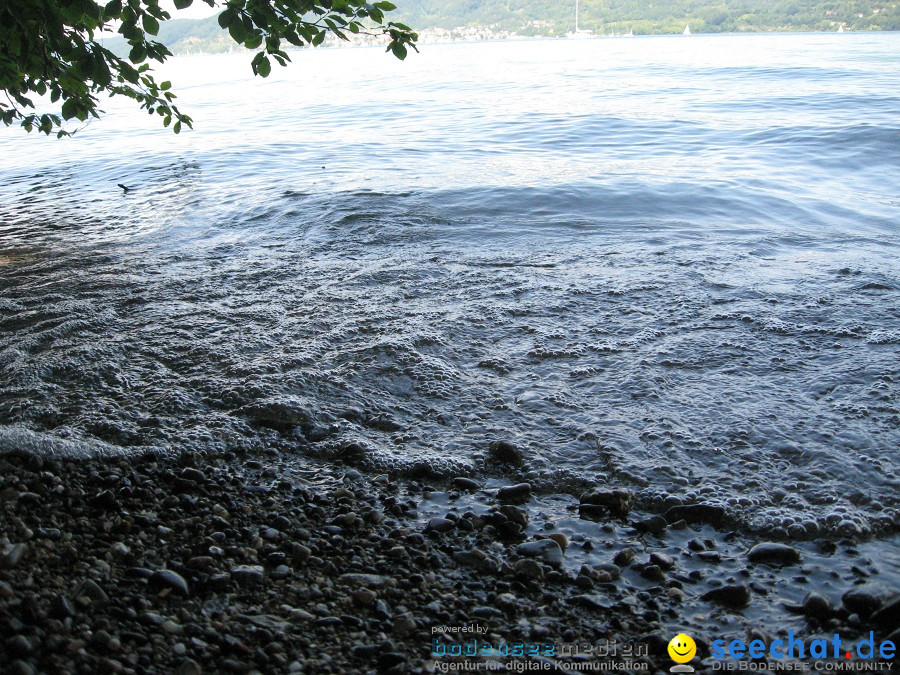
column 61, row 608
column 696, row 544
column 279, row 413
column 6, row 591
column 281, row 572
column 608, row 569
column 439, row 525
column 817, row 607
column 505, row 452
column 368, row 580
column 560, row 538
column 514, row 514
column 168, row 579
column 514, row 494
column 546, row 550
column 105, row 500
column 773, row 553
column 653, row 573
column 616, row 502
column 248, row 575
column 20, row 667
column 389, row 660
column 465, row 484
column 202, row 562
column 472, row 557
column 90, row 590
column 697, row 514
column 19, row 645
column 888, row 616
column 624, row 557
column 11, row 555
column 363, row 597
column 653, row 525
column 529, row 568
column 734, row 596
column 663, row 560
column 188, row 667
column 864, row 600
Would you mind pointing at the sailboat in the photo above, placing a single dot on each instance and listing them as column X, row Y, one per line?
column 687, row 29
column 579, row 34
column 840, row 28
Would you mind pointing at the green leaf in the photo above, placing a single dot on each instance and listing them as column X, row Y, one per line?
column 398, row 50
column 226, row 18
column 165, row 86
column 129, row 31
column 264, row 67
column 386, row 6
column 253, row 41
column 151, row 25
column 113, row 8
column 237, row 31
column 183, row 4
column 69, row 108
column 138, row 53
column 177, row 128
column 91, row 10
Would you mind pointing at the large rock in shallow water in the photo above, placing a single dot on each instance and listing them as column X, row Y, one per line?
column 505, row 452
column 865, row 599
column 514, row 494
column 697, row 514
column 599, row 502
column 774, row 554
column 889, row 615
column 279, row 412
column 735, row 596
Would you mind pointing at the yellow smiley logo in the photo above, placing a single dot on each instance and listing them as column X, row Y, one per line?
column 682, row 648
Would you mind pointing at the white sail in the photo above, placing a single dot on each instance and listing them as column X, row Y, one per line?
column 579, row 34
column 687, row 30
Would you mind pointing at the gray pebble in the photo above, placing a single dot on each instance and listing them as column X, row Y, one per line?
column 168, row 579
column 545, row 549
column 439, row 525
column 248, row 575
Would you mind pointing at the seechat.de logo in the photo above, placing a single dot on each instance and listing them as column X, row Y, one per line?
column 682, row 649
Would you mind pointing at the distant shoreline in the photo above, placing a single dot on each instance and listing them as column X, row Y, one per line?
column 423, row 40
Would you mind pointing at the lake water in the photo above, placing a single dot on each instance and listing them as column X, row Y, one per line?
column 666, row 263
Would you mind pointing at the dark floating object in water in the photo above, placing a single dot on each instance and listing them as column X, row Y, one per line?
column 124, row 187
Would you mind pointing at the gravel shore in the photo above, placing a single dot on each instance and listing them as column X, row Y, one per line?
column 200, row 566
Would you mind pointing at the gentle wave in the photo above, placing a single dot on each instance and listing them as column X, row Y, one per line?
column 639, row 267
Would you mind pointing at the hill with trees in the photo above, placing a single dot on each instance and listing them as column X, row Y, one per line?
column 554, row 18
